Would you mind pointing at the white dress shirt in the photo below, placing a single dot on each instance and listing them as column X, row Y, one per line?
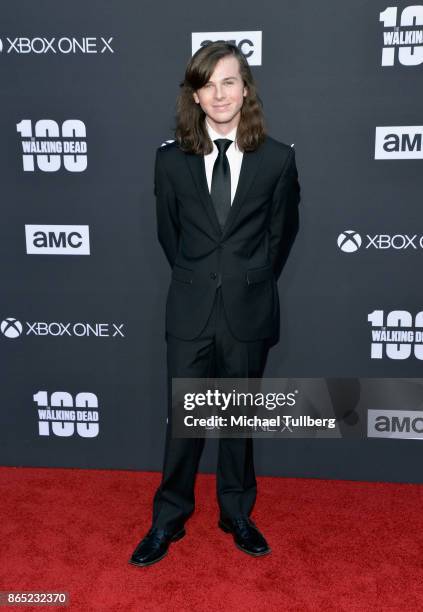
column 233, row 154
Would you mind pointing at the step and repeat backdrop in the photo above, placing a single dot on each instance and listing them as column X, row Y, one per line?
column 88, row 93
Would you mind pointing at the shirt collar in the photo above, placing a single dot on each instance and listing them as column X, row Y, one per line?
column 213, row 134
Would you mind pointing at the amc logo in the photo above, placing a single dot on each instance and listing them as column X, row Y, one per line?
column 249, row 43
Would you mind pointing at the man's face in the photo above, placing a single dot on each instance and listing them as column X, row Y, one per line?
column 222, row 97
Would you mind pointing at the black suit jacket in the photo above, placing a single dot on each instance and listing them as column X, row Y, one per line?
column 246, row 257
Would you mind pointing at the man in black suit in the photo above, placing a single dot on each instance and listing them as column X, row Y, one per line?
column 227, row 199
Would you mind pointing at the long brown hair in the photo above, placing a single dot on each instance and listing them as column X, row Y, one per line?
column 191, row 132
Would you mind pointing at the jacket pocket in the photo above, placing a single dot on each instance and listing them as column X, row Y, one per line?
column 256, row 275
column 183, row 275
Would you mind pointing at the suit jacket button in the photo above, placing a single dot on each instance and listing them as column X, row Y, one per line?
column 213, row 275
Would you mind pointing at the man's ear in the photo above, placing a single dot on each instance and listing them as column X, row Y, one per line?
column 196, row 98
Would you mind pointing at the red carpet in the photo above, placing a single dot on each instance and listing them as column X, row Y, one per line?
column 336, row 545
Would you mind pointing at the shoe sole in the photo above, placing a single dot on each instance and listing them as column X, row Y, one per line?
column 175, row 538
column 226, row 529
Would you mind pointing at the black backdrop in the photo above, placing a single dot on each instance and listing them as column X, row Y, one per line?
column 83, row 278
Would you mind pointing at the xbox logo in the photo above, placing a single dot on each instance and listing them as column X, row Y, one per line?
column 349, row 241
column 11, row 327
column 1, row 45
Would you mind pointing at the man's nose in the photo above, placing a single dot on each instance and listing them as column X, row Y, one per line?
column 219, row 94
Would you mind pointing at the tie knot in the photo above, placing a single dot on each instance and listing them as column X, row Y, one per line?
column 222, row 144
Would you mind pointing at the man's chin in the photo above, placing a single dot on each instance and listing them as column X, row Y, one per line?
column 226, row 117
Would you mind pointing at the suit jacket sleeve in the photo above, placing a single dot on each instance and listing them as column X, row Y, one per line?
column 168, row 227
column 284, row 219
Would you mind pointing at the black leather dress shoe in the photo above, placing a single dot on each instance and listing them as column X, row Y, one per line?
column 246, row 535
column 154, row 545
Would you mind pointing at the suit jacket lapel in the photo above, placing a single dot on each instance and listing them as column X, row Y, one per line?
column 249, row 166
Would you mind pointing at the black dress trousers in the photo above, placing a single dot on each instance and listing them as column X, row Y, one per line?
column 214, row 353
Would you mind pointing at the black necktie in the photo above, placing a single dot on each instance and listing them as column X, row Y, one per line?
column 221, row 182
